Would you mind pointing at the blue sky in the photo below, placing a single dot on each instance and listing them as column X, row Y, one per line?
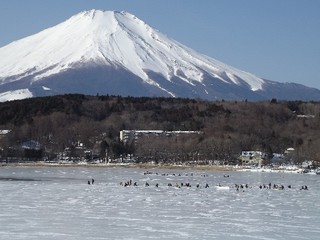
column 276, row 39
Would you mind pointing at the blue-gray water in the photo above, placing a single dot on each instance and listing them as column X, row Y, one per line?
column 57, row 203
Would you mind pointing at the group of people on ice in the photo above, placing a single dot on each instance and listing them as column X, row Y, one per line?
column 237, row 187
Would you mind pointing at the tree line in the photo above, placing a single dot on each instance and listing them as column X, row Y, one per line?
column 228, row 127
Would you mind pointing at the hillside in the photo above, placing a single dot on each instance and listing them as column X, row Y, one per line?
column 60, row 122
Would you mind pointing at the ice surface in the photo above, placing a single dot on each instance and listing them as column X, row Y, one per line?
column 57, row 203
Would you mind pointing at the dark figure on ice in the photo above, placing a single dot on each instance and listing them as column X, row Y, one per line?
column 304, row 188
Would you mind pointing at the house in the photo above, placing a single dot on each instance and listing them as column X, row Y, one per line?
column 252, row 157
column 31, row 145
column 278, row 158
column 3, row 133
column 289, row 151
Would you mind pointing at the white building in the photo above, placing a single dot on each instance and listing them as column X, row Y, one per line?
column 252, row 157
column 128, row 136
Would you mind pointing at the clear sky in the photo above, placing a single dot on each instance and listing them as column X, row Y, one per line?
column 275, row 39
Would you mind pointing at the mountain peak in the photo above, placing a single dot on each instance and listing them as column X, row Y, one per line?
column 112, row 52
column 96, row 14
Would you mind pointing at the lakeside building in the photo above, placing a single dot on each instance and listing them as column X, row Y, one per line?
column 129, row 136
column 252, row 157
column 4, row 132
column 31, row 145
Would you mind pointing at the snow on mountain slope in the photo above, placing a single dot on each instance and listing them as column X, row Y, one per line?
column 108, row 37
column 117, row 53
column 15, row 95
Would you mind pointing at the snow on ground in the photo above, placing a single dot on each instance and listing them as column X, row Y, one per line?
column 57, row 203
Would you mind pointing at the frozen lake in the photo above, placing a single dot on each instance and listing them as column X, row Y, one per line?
column 57, row 203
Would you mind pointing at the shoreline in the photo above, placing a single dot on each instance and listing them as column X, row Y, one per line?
column 220, row 168
column 121, row 165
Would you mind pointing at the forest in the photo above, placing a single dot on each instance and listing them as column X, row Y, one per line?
column 58, row 124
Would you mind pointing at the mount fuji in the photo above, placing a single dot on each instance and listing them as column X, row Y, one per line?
column 115, row 53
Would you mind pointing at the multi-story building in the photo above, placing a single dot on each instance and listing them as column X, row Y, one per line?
column 129, row 136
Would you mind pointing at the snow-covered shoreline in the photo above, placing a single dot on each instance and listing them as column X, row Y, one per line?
column 283, row 169
column 124, row 165
column 279, row 169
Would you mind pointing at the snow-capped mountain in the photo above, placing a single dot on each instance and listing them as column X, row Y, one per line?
column 110, row 52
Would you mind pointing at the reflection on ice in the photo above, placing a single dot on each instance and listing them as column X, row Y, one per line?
column 61, row 205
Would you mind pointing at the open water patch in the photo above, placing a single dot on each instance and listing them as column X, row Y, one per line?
column 20, row 179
